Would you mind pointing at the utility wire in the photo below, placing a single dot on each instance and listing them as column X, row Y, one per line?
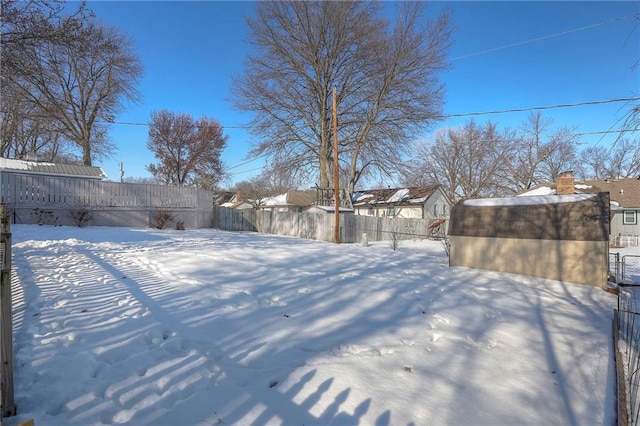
column 533, row 40
column 465, row 114
column 246, row 162
column 545, row 107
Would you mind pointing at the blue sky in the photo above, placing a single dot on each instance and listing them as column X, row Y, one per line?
column 190, row 51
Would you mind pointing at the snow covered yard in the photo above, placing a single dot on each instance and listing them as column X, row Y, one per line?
column 204, row 327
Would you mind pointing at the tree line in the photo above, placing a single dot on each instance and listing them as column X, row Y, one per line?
column 480, row 160
column 66, row 76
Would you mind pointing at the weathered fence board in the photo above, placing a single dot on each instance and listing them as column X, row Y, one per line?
column 319, row 226
column 18, row 189
column 51, row 200
column 6, row 323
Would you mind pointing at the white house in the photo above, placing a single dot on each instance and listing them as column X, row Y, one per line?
column 292, row 201
column 418, row 202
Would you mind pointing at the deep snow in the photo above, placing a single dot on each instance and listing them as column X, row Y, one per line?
column 204, row 327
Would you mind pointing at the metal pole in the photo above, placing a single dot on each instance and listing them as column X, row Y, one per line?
column 336, row 174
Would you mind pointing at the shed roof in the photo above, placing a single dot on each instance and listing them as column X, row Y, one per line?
column 567, row 217
column 51, row 169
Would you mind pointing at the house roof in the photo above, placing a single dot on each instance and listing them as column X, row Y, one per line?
column 222, row 197
column 395, row 196
column 624, row 192
column 51, row 169
column 330, row 209
column 237, row 205
column 291, row 198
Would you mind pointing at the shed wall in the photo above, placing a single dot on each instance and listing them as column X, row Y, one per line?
column 582, row 262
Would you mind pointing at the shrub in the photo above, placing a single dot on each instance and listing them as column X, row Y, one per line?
column 82, row 216
column 45, row 217
column 160, row 218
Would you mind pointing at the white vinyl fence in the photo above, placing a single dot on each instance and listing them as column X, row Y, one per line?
column 52, row 200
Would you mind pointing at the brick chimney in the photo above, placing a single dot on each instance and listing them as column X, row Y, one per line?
column 565, row 183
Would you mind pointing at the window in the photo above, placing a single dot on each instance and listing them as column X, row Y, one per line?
column 629, row 217
column 391, row 211
column 435, row 210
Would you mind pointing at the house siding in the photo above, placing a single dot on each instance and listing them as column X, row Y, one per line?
column 409, row 210
column 618, row 227
column 442, row 207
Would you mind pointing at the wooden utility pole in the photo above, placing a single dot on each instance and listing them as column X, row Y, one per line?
column 336, row 174
column 6, row 323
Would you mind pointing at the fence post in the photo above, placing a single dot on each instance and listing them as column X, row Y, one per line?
column 6, row 324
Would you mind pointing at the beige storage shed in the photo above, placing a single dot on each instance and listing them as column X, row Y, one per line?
column 560, row 237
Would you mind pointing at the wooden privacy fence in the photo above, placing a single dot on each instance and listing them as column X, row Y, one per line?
column 54, row 200
column 6, row 324
column 23, row 190
column 320, row 226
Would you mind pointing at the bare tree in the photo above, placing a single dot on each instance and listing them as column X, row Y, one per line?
column 625, row 159
column 80, row 82
column 25, row 26
column 594, row 162
column 253, row 191
column 562, row 154
column 386, row 78
column 33, row 22
column 537, row 154
column 621, row 160
column 189, row 150
column 464, row 160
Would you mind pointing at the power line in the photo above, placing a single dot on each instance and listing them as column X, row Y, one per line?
column 246, row 162
column 604, row 132
column 465, row 114
column 533, row 40
column 545, row 107
column 245, row 171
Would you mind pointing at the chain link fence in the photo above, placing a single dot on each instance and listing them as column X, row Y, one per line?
column 630, row 268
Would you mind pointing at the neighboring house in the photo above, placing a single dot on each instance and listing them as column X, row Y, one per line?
column 220, row 198
column 236, row 202
column 292, row 201
column 39, row 168
column 419, row 202
column 624, row 197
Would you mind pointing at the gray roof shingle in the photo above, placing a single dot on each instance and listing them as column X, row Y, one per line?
column 51, row 169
